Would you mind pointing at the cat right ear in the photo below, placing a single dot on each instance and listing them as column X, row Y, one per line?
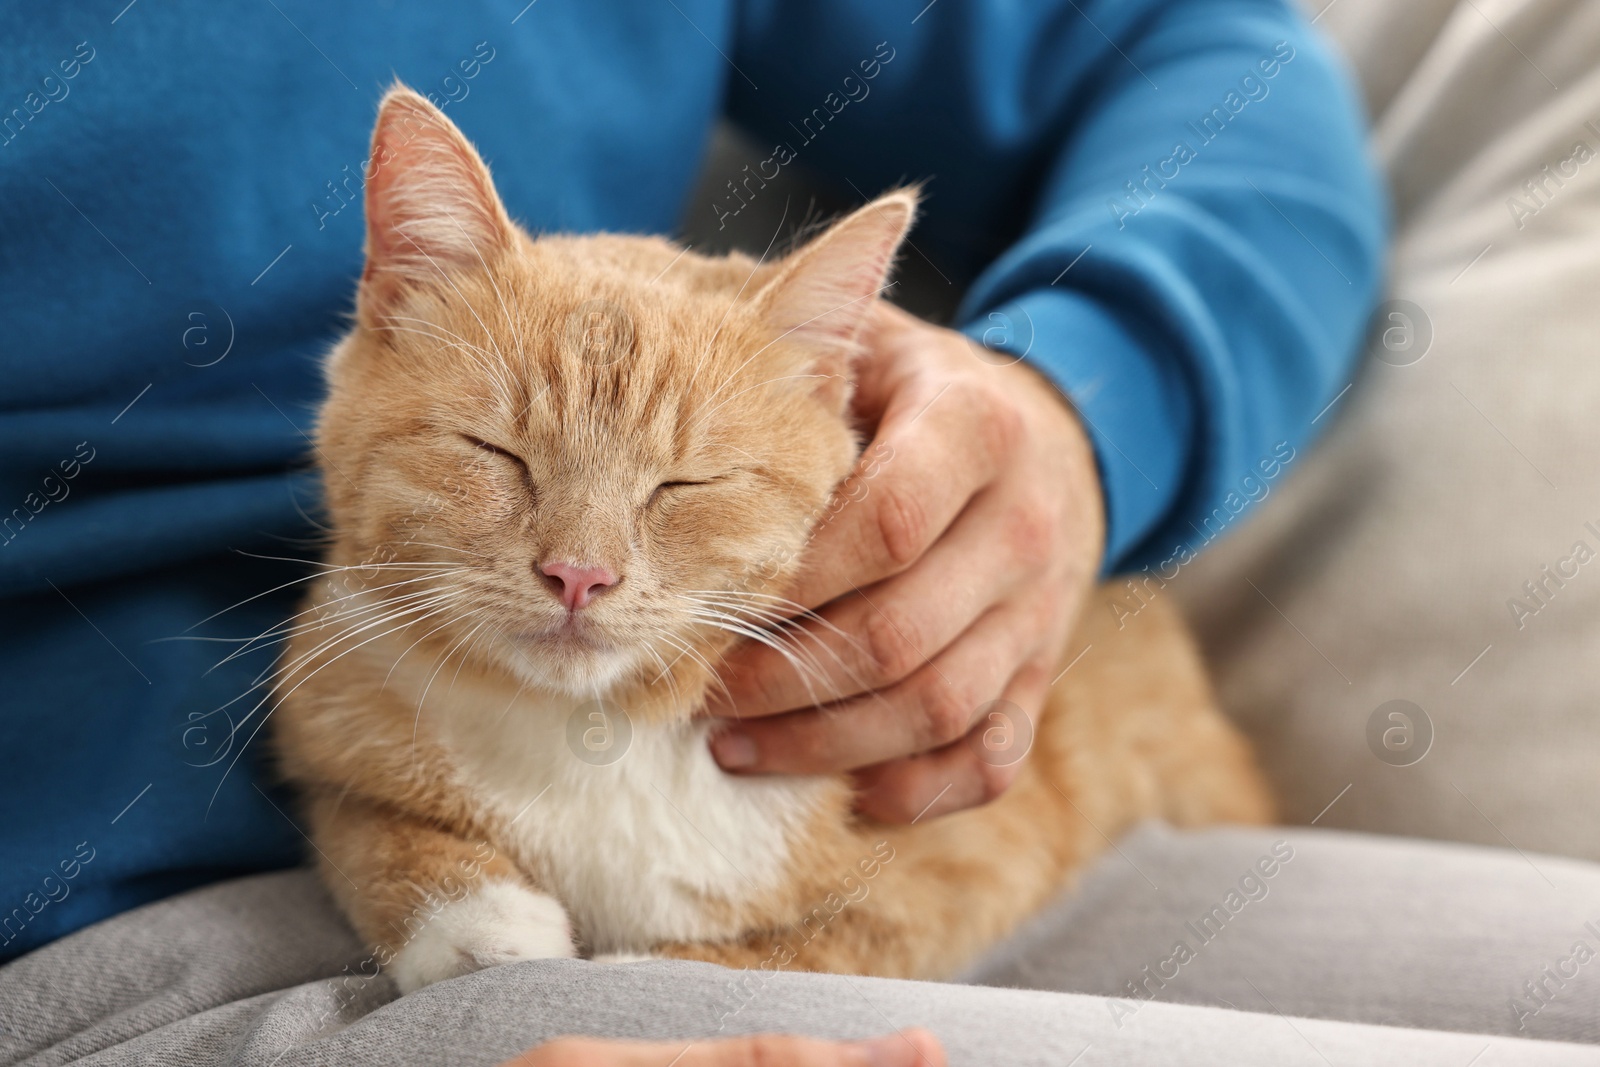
column 432, row 208
column 824, row 292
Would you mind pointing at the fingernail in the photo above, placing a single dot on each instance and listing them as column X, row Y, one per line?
column 891, row 1050
column 734, row 750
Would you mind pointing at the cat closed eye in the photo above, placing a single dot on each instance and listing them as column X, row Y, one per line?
column 495, row 450
column 656, row 493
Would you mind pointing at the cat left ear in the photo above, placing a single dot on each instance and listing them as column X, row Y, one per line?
column 823, row 292
column 431, row 205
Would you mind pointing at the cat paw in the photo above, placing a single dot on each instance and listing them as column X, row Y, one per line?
column 501, row 922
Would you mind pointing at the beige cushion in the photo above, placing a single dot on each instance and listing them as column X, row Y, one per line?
column 1384, row 568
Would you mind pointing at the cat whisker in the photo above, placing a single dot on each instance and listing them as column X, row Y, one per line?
column 792, row 609
column 439, row 665
column 471, row 650
column 756, row 602
column 686, row 649
column 514, row 647
column 439, row 335
column 341, row 619
column 326, row 533
column 484, row 358
column 805, row 665
column 775, row 620
column 448, row 623
column 281, row 630
column 443, row 274
column 330, row 568
column 449, row 548
column 280, row 668
column 471, row 350
column 275, row 589
column 792, row 623
column 788, row 631
column 419, row 613
column 730, row 399
column 663, row 674
column 489, row 274
column 287, row 559
column 351, row 623
column 786, row 634
column 802, row 671
column 521, row 688
column 281, row 697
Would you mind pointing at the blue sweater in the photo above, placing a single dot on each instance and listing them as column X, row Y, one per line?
column 1166, row 205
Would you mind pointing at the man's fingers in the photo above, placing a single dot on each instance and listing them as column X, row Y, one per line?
column 877, row 637
column 909, row 1048
column 895, row 347
column 936, row 705
column 972, row 771
column 936, row 447
column 912, row 1048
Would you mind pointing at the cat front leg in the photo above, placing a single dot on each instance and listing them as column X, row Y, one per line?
column 499, row 922
column 434, row 905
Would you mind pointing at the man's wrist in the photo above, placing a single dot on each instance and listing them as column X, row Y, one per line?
column 1128, row 397
column 1055, row 420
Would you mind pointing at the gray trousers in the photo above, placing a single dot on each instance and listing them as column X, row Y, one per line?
column 1284, row 946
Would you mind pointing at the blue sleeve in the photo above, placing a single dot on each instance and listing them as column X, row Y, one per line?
column 1167, row 206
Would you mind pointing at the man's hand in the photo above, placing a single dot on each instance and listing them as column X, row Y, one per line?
column 912, row 1048
column 952, row 577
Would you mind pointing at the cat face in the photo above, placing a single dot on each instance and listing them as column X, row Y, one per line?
column 601, row 456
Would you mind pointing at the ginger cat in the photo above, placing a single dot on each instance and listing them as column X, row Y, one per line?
column 549, row 464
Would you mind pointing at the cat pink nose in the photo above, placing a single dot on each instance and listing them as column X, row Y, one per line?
column 577, row 584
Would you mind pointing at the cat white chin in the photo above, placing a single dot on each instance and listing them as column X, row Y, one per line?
column 568, row 670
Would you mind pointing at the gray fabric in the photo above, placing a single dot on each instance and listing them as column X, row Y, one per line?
column 1361, row 929
column 1382, row 567
column 1355, row 927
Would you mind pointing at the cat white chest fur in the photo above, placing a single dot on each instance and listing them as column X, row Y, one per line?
column 636, row 849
